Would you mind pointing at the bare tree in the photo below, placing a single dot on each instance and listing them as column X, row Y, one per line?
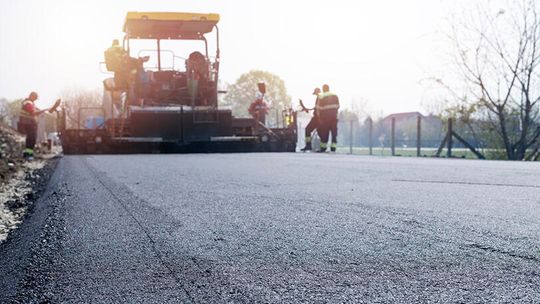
column 77, row 99
column 498, row 52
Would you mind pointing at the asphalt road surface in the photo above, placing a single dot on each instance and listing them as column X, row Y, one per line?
column 280, row 228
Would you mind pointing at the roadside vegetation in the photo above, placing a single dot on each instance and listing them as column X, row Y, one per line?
column 241, row 94
column 496, row 55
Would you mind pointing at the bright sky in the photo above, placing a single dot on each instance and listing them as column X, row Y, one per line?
column 377, row 51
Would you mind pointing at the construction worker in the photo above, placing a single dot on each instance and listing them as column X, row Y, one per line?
column 327, row 108
column 197, row 71
column 128, row 70
column 115, row 57
column 116, row 61
column 28, row 124
column 313, row 123
column 258, row 109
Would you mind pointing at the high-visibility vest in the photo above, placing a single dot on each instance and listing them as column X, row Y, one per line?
column 26, row 116
column 328, row 105
column 114, row 58
column 258, row 106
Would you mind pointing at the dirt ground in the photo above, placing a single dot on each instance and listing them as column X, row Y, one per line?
column 11, row 146
column 19, row 179
column 16, row 195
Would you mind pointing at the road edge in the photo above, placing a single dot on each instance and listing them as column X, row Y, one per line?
column 21, row 252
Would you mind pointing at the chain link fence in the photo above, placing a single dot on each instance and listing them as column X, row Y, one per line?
column 404, row 134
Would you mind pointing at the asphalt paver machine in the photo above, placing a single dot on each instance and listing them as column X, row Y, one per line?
column 159, row 101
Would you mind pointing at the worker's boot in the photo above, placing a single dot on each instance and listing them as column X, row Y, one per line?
column 333, row 147
column 322, row 148
column 28, row 154
column 307, row 147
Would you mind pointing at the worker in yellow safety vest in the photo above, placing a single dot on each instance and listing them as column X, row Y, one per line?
column 327, row 108
column 115, row 57
column 116, row 60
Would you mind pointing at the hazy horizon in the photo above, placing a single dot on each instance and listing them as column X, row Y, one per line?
column 374, row 53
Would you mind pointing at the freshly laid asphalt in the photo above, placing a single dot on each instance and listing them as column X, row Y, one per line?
column 278, row 228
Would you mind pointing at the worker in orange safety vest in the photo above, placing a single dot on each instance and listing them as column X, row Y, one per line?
column 259, row 108
column 28, row 123
column 327, row 108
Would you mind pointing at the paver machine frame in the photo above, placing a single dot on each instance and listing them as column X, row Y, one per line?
column 167, row 109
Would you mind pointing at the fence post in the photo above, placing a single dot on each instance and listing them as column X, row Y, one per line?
column 418, row 135
column 370, row 139
column 449, row 139
column 393, row 137
column 299, row 127
column 351, row 138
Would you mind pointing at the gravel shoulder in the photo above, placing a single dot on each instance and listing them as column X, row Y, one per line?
column 26, row 210
column 17, row 194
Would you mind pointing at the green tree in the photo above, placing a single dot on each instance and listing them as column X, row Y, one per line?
column 242, row 93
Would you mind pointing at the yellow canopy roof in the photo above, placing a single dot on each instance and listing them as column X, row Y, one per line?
column 166, row 25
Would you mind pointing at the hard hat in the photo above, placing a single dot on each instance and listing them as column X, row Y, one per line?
column 33, row 96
